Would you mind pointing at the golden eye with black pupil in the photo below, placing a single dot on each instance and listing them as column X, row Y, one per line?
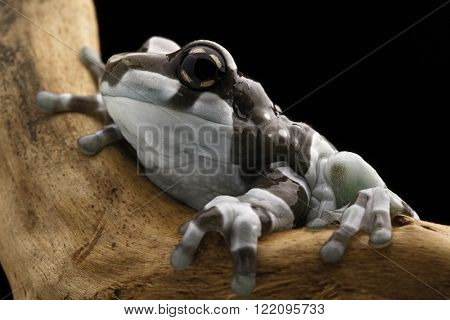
column 201, row 67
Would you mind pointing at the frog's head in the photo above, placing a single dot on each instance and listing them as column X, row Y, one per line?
column 199, row 81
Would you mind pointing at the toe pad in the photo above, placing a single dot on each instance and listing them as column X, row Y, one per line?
column 332, row 251
column 46, row 101
column 243, row 285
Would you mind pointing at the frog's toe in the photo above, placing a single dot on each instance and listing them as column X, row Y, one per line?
column 240, row 226
column 243, row 285
column 90, row 55
column 92, row 61
column 380, row 238
column 243, row 246
column 332, row 251
column 184, row 253
column 47, row 101
column 90, row 144
column 181, row 259
column 183, row 227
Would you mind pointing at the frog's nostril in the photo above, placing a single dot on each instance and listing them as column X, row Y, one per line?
column 115, row 58
column 127, row 62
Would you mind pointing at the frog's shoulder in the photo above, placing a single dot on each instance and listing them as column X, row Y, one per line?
column 316, row 140
column 310, row 147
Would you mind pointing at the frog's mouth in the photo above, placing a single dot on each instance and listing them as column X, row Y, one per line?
column 167, row 94
column 171, row 141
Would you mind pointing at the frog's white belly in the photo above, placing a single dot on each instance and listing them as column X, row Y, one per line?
column 186, row 156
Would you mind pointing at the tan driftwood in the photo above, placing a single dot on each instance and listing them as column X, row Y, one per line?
column 72, row 226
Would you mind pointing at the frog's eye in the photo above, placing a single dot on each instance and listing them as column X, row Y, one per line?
column 201, row 67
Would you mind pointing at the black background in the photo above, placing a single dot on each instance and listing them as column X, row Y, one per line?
column 390, row 108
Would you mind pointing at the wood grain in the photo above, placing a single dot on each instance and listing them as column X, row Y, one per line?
column 77, row 227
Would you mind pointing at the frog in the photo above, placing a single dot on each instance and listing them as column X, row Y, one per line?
column 265, row 173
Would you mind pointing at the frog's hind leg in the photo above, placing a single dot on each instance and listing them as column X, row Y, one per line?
column 371, row 209
column 92, row 144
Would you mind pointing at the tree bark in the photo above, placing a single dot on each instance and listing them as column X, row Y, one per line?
column 77, row 227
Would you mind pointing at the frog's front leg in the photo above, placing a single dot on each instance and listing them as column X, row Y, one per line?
column 369, row 204
column 90, row 144
column 277, row 202
column 66, row 102
column 56, row 103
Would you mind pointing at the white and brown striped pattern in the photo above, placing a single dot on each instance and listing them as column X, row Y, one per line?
column 289, row 175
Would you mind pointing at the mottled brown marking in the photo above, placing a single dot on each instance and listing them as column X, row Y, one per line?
column 292, row 193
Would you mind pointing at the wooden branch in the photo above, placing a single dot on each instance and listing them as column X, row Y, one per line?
column 77, row 227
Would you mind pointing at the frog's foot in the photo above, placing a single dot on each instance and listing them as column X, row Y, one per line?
column 94, row 143
column 92, row 61
column 370, row 212
column 66, row 102
column 240, row 224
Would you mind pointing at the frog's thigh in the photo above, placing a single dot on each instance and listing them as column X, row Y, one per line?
column 348, row 173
